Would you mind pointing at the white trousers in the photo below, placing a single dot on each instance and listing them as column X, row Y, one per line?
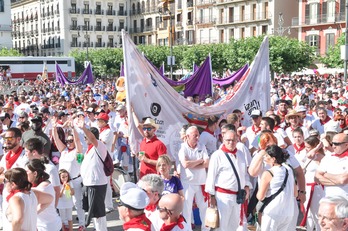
column 100, row 224
column 190, row 192
column 312, row 218
column 229, row 211
column 77, row 199
column 108, row 196
column 279, row 224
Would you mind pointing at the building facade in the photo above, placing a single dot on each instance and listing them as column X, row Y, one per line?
column 53, row 27
column 5, row 24
column 320, row 23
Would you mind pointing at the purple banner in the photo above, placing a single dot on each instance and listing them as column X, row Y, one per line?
column 235, row 76
column 86, row 77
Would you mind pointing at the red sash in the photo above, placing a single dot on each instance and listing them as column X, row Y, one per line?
column 304, row 220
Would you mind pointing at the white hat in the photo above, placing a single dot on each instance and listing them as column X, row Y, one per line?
column 256, row 113
column 151, row 122
column 301, row 108
column 133, row 197
column 80, row 113
column 120, row 107
column 332, row 127
column 209, row 100
column 273, row 90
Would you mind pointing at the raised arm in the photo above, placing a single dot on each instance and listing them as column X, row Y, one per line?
column 89, row 135
column 60, row 145
column 77, row 141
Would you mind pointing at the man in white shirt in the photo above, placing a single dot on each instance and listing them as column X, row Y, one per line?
column 193, row 158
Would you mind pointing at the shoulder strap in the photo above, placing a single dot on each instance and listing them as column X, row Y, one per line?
column 234, row 170
column 270, row 172
column 267, row 200
column 98, row 155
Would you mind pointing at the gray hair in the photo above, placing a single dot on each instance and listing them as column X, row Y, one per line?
column 154, row 181
column 341, row 205
column 190, row 129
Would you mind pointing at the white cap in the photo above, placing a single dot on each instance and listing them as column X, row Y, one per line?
column 132, row 196
column 301, row 108
column 332, row 127
column 256, row 113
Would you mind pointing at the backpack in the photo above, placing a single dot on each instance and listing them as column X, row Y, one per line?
column 108, row 164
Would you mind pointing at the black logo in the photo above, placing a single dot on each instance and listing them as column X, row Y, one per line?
column 155, row 109
column 154, row 83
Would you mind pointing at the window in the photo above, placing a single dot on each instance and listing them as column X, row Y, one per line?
column 330, row 41
column 313, row 40
column 2, row 6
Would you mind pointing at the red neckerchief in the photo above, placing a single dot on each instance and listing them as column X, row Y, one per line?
column 325, row 121
column 345, row 154
column 69, row 150
column 12, row 157
column 282, row 114
column 341, row 126
column 90, row 146
column 60, row 122
column 38, row 182
column 12, row 193
column 255, row 130
column 151, row 207
column 224, row 149
column 140, row 222
column 207, row 130
column 104, row 128
column 299, row 148
column 108, row 111
column 173, row 224
column 284, row 97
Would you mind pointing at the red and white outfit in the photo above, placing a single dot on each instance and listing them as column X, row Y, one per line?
column 319, row 125
column 289, row 131
column 179, row 225
column 300, row 154
column 250, row 133
column 222, row 182
column 192, row 180
column 139, row 223
column 208, row 139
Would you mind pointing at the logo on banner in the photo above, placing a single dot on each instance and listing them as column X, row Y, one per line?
column 253, row 105
column 155, row 109
column 154, row 83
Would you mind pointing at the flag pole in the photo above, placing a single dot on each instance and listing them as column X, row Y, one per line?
column 211, row 76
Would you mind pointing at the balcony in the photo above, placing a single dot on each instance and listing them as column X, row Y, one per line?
column 122, row 13
column 148, row 28
column 101, row 44
column 121, row 28
column 189, row 4
column 110, row 45
column 86, row 44
column 74, row 27
column 57, row 45
column 245, row 18
column 86, row 11
column 99, row 28
column 74, row 11
column 110, row 12
column 111, row 28
column 75, row 44
column 135, row 12
column 87, row 28
column 99, row 12
column 206, row 21
column 178, row 25
column 134, row 30
column 57, row 12
column 204, row 3
column 319, row 20
column 57, row 28
column 189, row 23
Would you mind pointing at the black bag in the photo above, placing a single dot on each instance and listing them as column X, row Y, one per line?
column 108, row 164
column 241, row 192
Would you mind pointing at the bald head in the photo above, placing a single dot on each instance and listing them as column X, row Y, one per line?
column 173, row 202
column 341, row 137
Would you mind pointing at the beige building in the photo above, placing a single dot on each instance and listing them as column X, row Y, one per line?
column 53, row 27
column 5, row 24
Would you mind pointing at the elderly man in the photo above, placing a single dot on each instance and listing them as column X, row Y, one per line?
column 319, row 123
column 131, row 206
column 170, row 207
column 333, row 213
column 193, row 158
column 152, row 148
column 332, row 171
column 222, row 181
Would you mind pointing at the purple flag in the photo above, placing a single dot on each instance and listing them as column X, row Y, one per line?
column 86, row 77
column 235, row 76
column 122, row 70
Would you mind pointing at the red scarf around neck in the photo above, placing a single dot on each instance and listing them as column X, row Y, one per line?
column 12, row 157
column 325, row 121
column 12, row 193
column 140, row 222
column 255, row 130
column 276, row 128
column 298, row 149
column 173, row 224
column 151, row 208
column 224, row 149
column 345, row 154
column 210, row 132
column 104, row 128
column 90, row 146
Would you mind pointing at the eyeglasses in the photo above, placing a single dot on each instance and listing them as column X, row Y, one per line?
column 9, row 138
column 340, row 119
column 147, row 129
column 164, row 209
column 230, row 140
column 338, row 143
column 102, row 105
column 69, row 141
column 21, row 117
column 320, row 217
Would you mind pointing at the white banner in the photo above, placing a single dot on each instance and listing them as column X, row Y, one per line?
column 150, row 95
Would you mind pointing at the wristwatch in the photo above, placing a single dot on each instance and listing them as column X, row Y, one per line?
column 300, row 191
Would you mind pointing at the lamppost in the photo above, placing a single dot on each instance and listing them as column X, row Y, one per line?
column 280, row 30
column 346, row 44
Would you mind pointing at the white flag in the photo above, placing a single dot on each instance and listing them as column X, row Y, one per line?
column 150, row 95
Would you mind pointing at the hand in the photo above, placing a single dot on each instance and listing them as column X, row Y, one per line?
column 212, row 201
column 81, row 123
column 141, row 157
column 247, row 190
column 301, row 197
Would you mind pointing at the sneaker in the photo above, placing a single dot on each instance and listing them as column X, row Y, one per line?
column 81, row 228
column 109, row 210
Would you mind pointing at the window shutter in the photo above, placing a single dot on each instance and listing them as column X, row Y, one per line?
column 307, row 14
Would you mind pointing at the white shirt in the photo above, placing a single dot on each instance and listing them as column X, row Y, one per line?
column 20, row 162
column 52, row 170
column 334, row 165
column 193, row 176
column 92, row 168
column 106, row 137
column 209, row 141
column 68, row 162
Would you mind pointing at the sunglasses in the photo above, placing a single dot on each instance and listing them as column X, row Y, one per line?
column 338, row 143
column 102, row 105
column 9, row 138
column 69, row 141
column 147, row 129
column 164, row 209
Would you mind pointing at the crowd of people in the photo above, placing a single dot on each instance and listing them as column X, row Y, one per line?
column 285, row 171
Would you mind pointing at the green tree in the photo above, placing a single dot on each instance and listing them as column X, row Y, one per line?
column 9, row 52
column 332, row 59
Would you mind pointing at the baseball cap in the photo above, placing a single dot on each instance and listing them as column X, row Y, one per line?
column 90, row 109
column 80, row 113
column 61, row 113
column 301, row 108
column 120, row 107
column 256, row 113
column 36, row 119
column 103, row 116
column 45, row 110
column 23, row 114
column 133, row 197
